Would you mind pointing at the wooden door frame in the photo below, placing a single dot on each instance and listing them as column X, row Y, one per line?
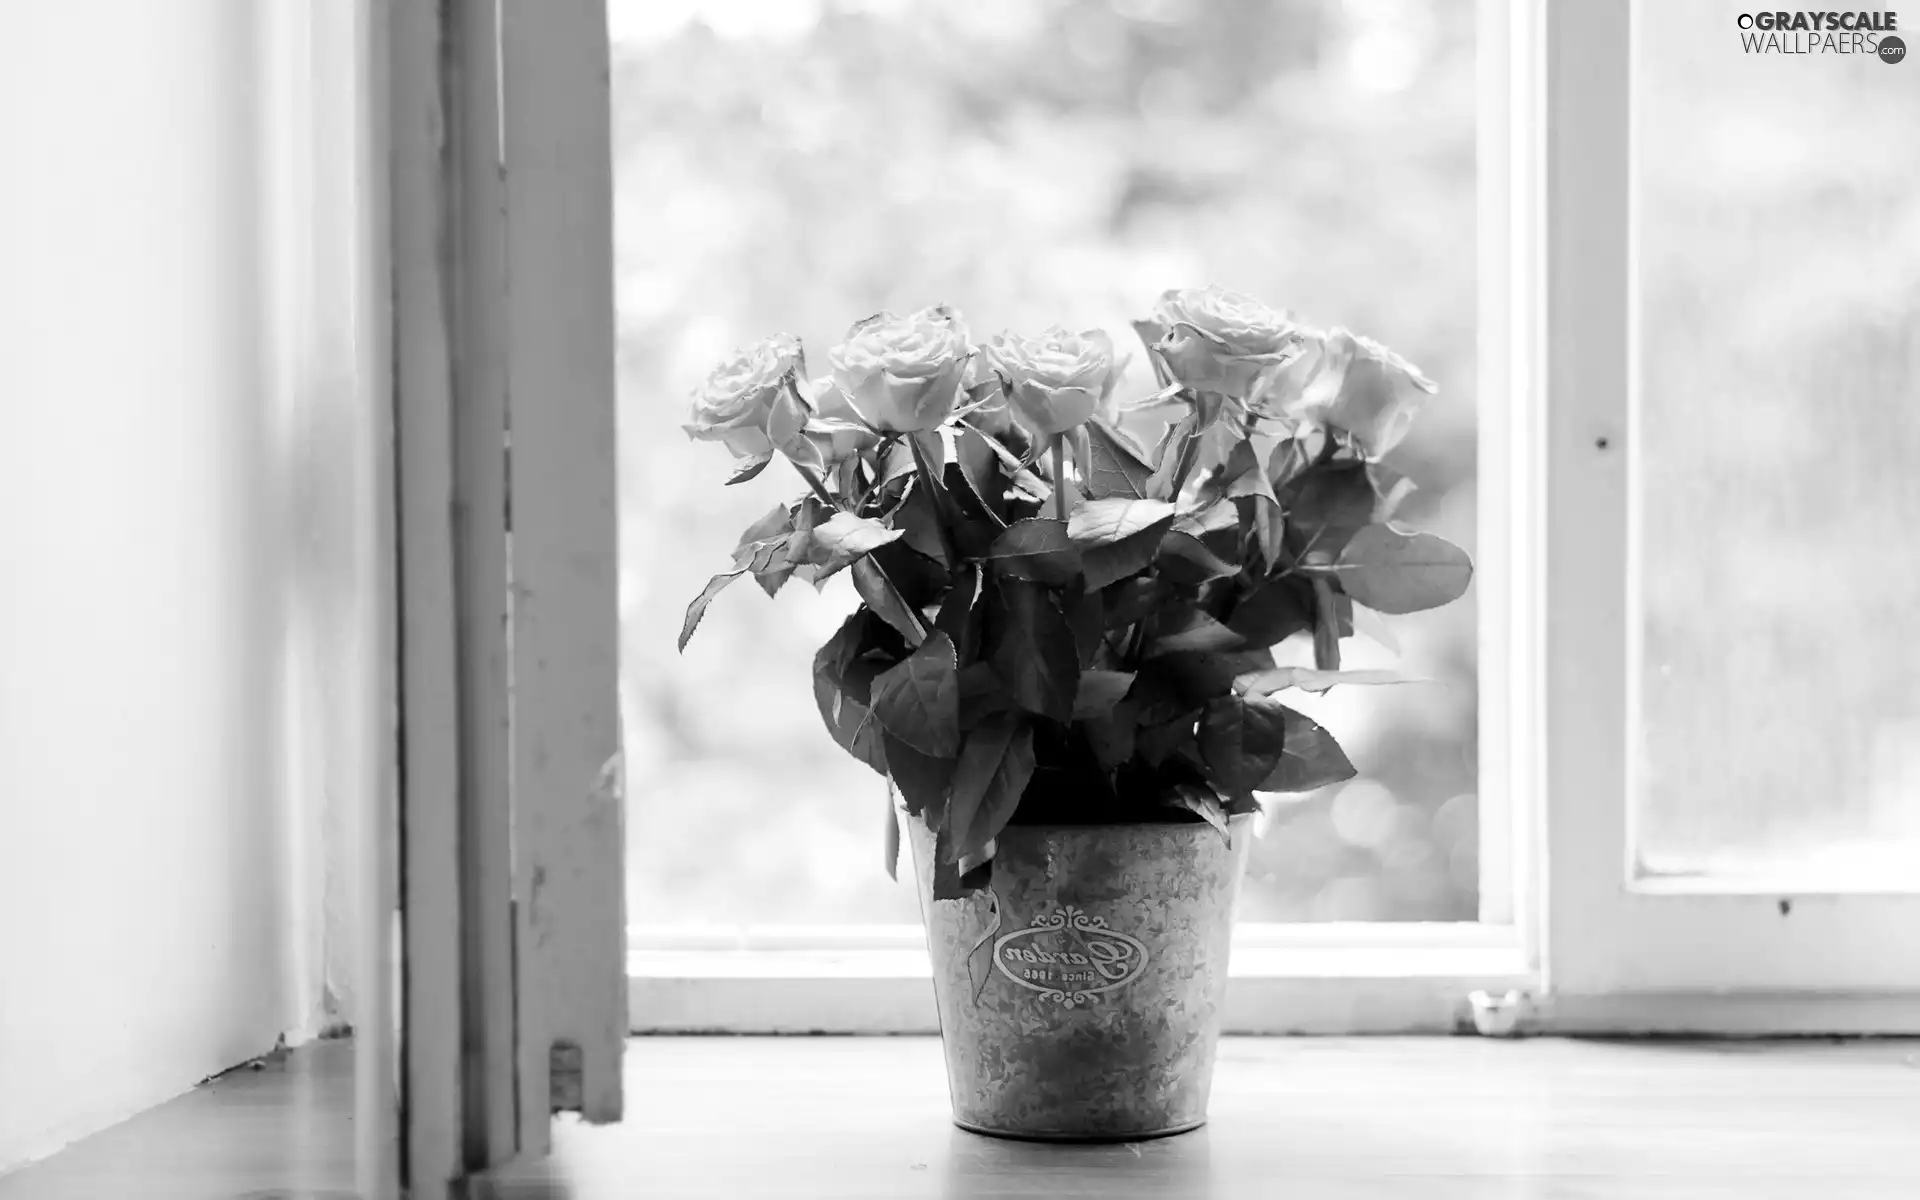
column 510, row 829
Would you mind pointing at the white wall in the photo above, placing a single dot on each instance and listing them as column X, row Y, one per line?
column 187, row 563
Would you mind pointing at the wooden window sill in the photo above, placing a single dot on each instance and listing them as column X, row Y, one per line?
column 867, row 1117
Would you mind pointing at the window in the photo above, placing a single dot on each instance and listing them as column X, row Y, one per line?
column 1731, row 312
column 1568, row 813
column 841, row 158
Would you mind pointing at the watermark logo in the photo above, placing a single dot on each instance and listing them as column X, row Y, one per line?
column 1869, row 34
column 1070, row 957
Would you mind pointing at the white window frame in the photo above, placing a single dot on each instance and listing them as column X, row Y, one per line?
column 1564, row 920
column 1339, row 977
column 1814, row 951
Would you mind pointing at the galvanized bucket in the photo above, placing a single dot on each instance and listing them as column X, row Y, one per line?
column 1080, row 999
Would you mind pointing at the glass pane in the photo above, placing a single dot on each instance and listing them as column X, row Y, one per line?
column 797, row 165
column 1779, row 432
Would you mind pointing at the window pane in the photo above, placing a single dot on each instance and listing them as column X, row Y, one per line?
column 1779, row 432
column 797, row 165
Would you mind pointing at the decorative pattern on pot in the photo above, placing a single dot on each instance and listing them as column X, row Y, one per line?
column 1117, row 1048
column 1070, row 957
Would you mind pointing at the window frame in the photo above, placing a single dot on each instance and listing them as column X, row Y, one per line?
column 1338, row 977
column 1827, row 950
column 1553, row 122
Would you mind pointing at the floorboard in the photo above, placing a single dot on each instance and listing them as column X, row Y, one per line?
column 855, row 1118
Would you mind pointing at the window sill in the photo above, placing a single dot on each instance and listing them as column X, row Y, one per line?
column 1392, row 980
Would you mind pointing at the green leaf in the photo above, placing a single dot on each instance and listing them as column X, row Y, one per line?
column 1099, row 691
column 1311, row 759
column 918, row 520
column 799, row 525
column 777, row 522
column 1245, row 478
column 851, row 724
column 809, row 515
column 764, row 556
column 1193, row 630
column 936, row 485
column 918, row 700
column 1269, row 523
column 752, row 467
column 1118, row 537
column 1217, row 517
column 961, row 613
column 997, row 443
column 895, row 460
column 1132, row 600
column 698, row 608
column 843, row 674
column 995, row 765
column 1111, row 736
column 1203, row 803
column 1288, row 459
column 1036, row 549
column 973, row 528
column 1260, row 683
column 1186, row 560
column 1032, row 649
column 1158, row 741
column 1086, row 616
column 948, row 882
column 982, row 694
column 1178, row 453
column 1327, row 505
column 923, row 780
column 1108, row 521
column 978, row 465
column 842, row 539
column 1115, row 465
column 1242, row 805
column 1194, row 677
column 1273, row 612
column 1241, row 739
column 921, row 580
column 886, row 603
column 1392, row 571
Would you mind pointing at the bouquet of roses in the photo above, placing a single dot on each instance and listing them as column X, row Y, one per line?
column 1057, row 623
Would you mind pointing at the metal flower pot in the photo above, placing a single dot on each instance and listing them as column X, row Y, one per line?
column 1080, row 1000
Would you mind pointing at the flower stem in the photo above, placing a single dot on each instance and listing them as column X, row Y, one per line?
column 1060, row 476
column 819, row 488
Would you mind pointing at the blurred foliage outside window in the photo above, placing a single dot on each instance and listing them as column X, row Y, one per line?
column 799, row 165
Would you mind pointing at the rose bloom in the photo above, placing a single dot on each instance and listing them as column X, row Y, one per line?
column 1058, row 380
column 1364, row 388
column 732, row 405
column 903, row 374
column 1215, row 340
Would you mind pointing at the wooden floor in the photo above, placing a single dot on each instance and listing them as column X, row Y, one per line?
column 1315, row 1119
